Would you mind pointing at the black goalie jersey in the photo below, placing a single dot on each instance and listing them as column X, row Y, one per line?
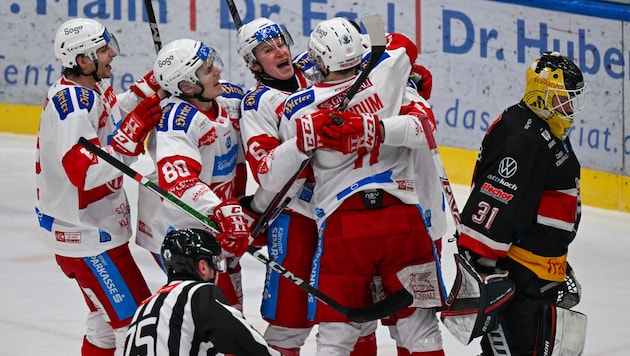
column 191, row 318
column 524, row 202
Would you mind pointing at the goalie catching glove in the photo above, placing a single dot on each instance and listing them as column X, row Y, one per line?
column 234, row 235
column 475, row 301
column 129, row 137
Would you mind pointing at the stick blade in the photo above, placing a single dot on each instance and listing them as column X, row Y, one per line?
column 382, row 309
column 375, row 28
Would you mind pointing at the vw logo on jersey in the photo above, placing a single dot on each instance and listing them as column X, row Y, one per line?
column 507, row 167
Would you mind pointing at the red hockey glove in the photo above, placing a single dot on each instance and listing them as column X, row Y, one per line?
column 145, row 86
column 234, row 236
column 353, row 131
column 309, row 127
column 252, row 217
column 129, row 137
column 423, row 80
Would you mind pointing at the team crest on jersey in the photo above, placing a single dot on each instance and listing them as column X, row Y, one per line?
column 63, row 103
column 297, row 101
column 251, row 100
column 232, row 91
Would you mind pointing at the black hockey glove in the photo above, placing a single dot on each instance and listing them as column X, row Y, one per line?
column 569, row 295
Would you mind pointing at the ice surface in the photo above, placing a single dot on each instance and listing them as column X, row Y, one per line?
column 42, row 312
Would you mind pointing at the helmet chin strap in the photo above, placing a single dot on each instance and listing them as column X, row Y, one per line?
column 199, row 96
column 93, row 74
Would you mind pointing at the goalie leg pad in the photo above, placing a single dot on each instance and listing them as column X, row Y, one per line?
column 474, row 305
column 561, row 332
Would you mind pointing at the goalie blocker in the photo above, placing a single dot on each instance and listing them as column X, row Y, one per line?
column 474, row 302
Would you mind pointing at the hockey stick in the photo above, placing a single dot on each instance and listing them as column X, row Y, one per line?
column 155, row 32
column 234, row 13
column 376, row 30
column 385, row 307
column 446, row 185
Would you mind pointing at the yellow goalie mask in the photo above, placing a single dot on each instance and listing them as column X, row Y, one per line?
column 555, row 91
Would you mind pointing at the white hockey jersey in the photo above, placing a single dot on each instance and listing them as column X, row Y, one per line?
column 391, row 167
column 80, row 198
column 261, row 109
column 152, row 226
column 196, row 156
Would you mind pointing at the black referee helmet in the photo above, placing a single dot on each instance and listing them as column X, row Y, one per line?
column 182, row 249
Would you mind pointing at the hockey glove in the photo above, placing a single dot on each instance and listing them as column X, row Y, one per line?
column 423, row 80
column 129, row 137
column 308, row 129
column 145, row 86
column 234, row 235
column 252, row 217
column 353, row 131
column 571, row 292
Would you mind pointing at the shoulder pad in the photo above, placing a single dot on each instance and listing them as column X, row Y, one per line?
column 180, row 119
column 251, row 99
column 366, row 59
column 302, row 62
column 64, row 104
column 297, row 101
column 231, row 90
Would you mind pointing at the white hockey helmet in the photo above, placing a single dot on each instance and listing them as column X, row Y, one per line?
column 335, row 44
column 256, row 32
column 178, row 61
column 81, row 37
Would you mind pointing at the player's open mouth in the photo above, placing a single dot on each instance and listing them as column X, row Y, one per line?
column 284, row 64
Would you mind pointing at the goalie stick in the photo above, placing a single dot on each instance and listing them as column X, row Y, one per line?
column 388, row 306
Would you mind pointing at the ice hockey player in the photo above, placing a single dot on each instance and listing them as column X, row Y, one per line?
column 265, row 47
column 197, row 150
column 522, row 213
column 365, row 174
column 81, row 202
column 190, row 315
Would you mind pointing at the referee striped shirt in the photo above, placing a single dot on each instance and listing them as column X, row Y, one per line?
column 191, row 318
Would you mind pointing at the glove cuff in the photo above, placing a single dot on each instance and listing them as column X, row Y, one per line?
column 145, row 86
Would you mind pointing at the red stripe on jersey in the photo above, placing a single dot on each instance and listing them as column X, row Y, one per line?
column 258, row 147
column 398, row 40
column 76, row 163
column 558, row 205
column 479, row 247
